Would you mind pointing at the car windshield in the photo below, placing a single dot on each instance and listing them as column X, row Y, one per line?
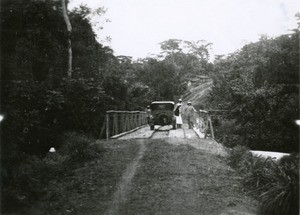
column 166, row 106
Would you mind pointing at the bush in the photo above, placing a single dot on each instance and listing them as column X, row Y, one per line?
column 280, row 199
column 274, row 184
column 261, row 174
column 30, row 179
column 290, row 164
column 85, row 105
column 239, row 158
column 225, row 133
column 78, row 147
column 32, row 116
column 283, row 196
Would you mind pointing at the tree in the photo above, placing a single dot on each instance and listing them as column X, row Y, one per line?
column 69, row 29
column 171, row 46
column 33, row 40
column 189, row 57
column 160, row 77
column 259, row 84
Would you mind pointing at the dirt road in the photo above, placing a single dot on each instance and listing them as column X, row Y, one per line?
column 124, row 186
column 173, row 176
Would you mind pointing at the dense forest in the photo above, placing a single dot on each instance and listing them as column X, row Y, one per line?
column 42, row 97
column 40, row 100
column 259, row 84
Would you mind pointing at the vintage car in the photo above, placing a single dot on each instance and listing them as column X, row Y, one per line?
column 162, row 114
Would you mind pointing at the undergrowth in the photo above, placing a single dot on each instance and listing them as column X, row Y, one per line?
column 274, row 183
column 31, row 177
column 78, row 148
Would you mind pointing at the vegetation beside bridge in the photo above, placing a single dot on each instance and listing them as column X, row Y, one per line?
column 42, row 98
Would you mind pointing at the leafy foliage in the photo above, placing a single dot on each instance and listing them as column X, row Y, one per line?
column 238, row 157
column 33, row 41
column 39, row 104
column 275, row 184
column 78, row 148
column 260, row 85
column 161, row 78
column 35, row 173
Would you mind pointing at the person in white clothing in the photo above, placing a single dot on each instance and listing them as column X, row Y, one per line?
column 190, row 110
column 177, row 113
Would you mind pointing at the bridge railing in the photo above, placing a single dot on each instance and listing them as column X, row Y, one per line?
column 203, row 123
column 117, row 122
column 204, row 120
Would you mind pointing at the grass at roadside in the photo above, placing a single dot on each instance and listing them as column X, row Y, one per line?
column 79, row 178
column 274, row 183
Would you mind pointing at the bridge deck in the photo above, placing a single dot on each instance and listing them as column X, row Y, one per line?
column 161, row 132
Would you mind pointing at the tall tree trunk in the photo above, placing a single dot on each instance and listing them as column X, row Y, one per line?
column 69, row 28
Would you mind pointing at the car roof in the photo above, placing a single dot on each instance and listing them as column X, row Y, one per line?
column 162, row 102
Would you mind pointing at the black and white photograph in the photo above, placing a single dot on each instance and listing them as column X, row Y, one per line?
column 149, row 107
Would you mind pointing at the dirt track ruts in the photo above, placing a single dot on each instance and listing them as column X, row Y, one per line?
column 124, row 186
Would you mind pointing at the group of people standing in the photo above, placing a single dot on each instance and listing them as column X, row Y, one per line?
column 189, row 111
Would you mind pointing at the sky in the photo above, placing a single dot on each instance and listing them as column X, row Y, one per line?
column 137, row 27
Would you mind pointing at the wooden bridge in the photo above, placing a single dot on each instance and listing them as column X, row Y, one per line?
column 133, row 125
